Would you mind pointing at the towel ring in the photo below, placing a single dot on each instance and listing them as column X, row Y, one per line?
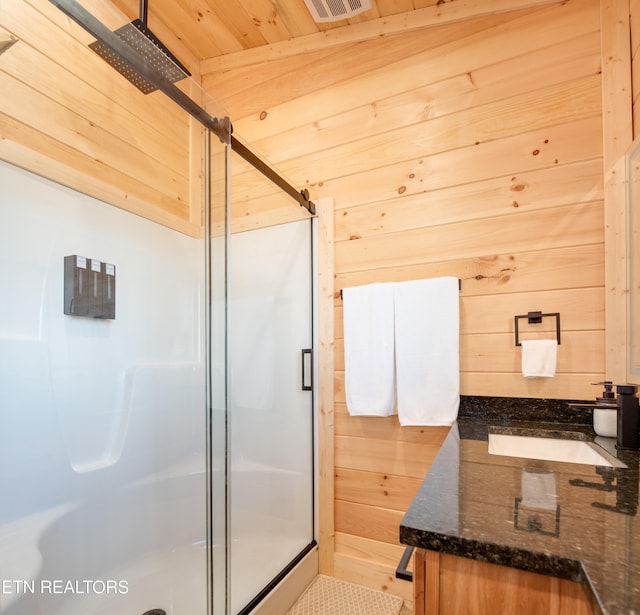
column 534, row 318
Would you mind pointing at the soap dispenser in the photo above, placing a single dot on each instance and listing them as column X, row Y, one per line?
column 628, row 417
column 605, row 412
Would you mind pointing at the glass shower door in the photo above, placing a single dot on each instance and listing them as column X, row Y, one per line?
column 271, row 406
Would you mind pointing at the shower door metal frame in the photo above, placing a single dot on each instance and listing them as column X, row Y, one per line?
column 209, row 353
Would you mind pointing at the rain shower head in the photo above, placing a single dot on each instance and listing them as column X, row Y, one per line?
column 141, row 39
column 148, row 47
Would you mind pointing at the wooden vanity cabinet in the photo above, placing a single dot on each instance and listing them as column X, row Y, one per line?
column 449, row 585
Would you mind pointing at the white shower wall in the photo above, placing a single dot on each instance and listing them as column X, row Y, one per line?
column 102, row 422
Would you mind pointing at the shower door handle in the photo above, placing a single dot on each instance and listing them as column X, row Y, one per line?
column 307, row 369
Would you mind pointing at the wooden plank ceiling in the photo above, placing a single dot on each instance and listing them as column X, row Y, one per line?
column 206, row 30
column 211, row 28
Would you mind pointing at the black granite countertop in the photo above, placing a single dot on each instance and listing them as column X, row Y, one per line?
column 569, row 520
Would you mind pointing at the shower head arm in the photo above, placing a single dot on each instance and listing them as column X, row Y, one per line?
column 144, row 11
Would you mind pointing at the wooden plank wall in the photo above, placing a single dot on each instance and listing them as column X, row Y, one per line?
column 67, row 115
column 635, row 63
column 471, row 149
column 486, row 167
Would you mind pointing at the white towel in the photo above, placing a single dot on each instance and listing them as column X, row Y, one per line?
column 539, row 358
column 427, row 331
column 368, row 350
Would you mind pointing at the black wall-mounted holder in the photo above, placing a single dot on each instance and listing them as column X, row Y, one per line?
column 89, row 288
column 534, row 318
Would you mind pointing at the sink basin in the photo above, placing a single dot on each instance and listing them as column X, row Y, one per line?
column 551, row 449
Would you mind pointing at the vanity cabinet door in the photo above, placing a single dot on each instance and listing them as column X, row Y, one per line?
column 449, row 585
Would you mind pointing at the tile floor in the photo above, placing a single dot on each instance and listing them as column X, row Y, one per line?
column 329, row 596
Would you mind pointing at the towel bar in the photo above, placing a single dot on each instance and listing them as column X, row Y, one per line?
column 536, row 318
column 459, row 287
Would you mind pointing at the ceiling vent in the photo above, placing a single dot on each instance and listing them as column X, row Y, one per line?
column 334, row 10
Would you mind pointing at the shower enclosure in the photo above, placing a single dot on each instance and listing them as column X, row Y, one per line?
column 161, row 461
